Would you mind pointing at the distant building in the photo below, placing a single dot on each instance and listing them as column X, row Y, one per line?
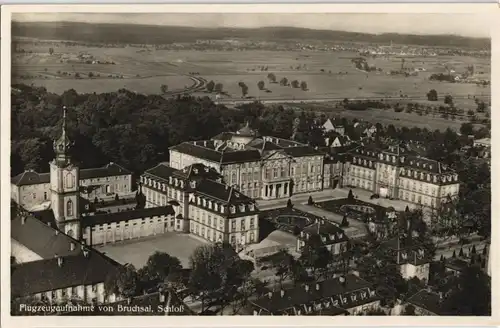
column 339, row 296
column 485, row 145
column 411, row 257
column 328, row 126
column 426, row 303
column 332, row 237
column 30, row 188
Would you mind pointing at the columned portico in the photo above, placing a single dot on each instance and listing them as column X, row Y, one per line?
column 276, row 190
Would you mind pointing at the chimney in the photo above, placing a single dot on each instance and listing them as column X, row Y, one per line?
column 57, row 232
column 270, row 294
column 48, row 223
column 86, row 252
column 282, row 292
column 71, row 246
column 306, row 287
column 59, row 261
column 23, row 219
column 317, row 286
column 342, row 280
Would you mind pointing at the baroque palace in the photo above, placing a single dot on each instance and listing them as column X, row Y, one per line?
column 265, row 167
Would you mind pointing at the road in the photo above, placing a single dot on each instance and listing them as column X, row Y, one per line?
column 235, row 102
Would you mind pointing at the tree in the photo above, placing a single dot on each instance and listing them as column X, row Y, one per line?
column 210, row 86
column 289, row 203
column 77, row 75
column 159, row 267
column 295, row 84
column 432, row 95
column 471, row 296
column 217, row 273
column 261, row 85
column 164, row 88
column 271, row 77
column 467, row 129
column 90, row 75
column 303, row 85
column 51, row 51
column 310, row 200
column 314, row 255
column 284, row 81
column 244, row 89
column 218, row 87
column 448, row 100
column 122, row 282
column 345, row 222
column 350, row 195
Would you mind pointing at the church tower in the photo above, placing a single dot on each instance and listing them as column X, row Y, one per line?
column 65, row 186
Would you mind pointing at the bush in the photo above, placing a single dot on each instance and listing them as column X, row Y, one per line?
column 310, row 201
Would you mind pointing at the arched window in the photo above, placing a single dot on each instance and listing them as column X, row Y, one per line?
column 69, row 208
column 70, row 181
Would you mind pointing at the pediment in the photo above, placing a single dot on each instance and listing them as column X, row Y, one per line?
column 276, row 155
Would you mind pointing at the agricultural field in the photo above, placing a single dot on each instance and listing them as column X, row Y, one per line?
column 144, row 70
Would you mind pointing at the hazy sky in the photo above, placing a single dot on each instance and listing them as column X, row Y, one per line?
column 458, row 24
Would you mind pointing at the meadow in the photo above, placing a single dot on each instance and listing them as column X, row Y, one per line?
column 144, row 70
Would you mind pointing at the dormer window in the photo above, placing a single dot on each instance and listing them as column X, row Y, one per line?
column 418, row 164
column 204, row 202
column 170, row 180
column 222, row 209
column 252, row 207
column 428, row 177
column 242, row 208
column 430, row 167
column 210, row 204
column 216, row 206
column 233, row 209
column 198, row 200
column 182, row 184
column 394, row 159
column 163, row 187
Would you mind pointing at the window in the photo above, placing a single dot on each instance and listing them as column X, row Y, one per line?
column 45, row 195
column 69, row 208
column 70, row 181
column 275, row 173
column 34, row 196
column 233, row 225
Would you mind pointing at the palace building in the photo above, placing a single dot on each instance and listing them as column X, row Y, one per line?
column 207, row 207
column 260, row 167
column 398, row 173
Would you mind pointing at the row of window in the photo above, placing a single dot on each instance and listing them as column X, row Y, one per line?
column 127, row 224
column 214, row 235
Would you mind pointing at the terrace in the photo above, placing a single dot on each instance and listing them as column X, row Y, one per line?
column 356, row 209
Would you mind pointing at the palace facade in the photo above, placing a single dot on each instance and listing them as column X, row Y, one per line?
column 260, row 167
column 206, row 207
column 398, row 173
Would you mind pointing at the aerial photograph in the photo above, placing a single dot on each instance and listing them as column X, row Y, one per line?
column 252, row 164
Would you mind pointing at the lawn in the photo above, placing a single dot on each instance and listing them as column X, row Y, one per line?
column 137, row 252
column 342, row 207
column 156, row 67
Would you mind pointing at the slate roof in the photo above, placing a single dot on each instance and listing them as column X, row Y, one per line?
column 206, row 149
column 427, row 300
column 111, row 169
column 31, row 177
column 331, row 233
column 109, row 218
column 45, row 275
column 302, row 151
column 42, row 239
column 353, row 292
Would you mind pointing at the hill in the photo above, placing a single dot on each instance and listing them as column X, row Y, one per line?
column 155, row 34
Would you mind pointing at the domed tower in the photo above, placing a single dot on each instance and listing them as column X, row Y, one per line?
column 244, row 135
column 65, row 186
